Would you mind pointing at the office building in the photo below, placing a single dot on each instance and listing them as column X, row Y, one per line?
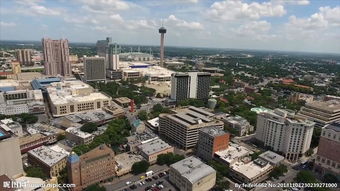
column 321, row 112
column 233, row 154
column 50, row 161
column 190, row 85
column 91, row 168
column 152, row 148
column 327, row 158
column 129, row 74
column 69, row 97
column 284, row 132
column 16, row 68
column 56, row 57
column 183, row 126
column 239, row 124
column 191, row 174
column 211, row 140
column 77, row 136
column 102, row 47
column 14, row 102
column 10, row 160
column 114, row 50
column 94, row 69
column 24, row 56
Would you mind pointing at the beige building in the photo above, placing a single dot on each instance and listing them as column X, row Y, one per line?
column 91, row 168
column 50, row 161
column 191, row 174
column 151, row 149
column 10, row 159
column 321, row 112
column 284, row 132
column 122, row 101
column 24, row 56
column 124, row 162
column 69, row 97
column 16, row 68
column 183, row 126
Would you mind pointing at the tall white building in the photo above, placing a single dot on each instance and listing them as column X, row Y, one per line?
column 284, row 132
column 190, row 85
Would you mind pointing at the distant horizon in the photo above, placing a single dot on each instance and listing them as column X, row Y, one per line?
column 174, row 46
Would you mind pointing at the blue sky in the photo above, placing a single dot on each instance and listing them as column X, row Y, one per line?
column 294, row 25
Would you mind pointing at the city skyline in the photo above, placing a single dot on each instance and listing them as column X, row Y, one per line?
column 263, row 25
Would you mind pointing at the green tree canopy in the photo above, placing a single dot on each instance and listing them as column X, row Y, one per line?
column 37, row 172
column 169, row 158
column 139, row 167
column 143, row 115
column 89, row 127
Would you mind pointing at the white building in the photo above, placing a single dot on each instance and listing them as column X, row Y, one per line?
column 284, row 132
column 69, row 97
column 191, row 174
column 21, row 101
column 77, row 136
column 13, row 126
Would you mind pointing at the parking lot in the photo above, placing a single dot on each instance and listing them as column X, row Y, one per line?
column 155, row 182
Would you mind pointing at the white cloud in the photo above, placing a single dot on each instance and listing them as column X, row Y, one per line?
column 7, row 24
column 117, row 17
column 104, row 6
column 230, row 10
column 80, row 20
column 41, row 10
column 255, row 30
column 332, row 15
column 172, row 20
column 292, row 2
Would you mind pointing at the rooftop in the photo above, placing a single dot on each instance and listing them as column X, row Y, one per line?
column 334, row 126
column 328, row 106
column 213, row 131
column 233, row 153
column 154, row 146
column 237, row 120
column 251, row 169
column 73, row 92
column 154, row 122
column 193, row 169
column 125, row 161
column 272, row 157
column 47, row 155
column 76, row 131
column 31, row 138
column 122, row 100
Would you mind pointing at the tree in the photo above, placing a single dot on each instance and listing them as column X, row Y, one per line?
column 89, row 127
column 143, row 115
column 35, row 172
column 28, row 118
column 95, row 187
column 255, row 155
column 309, row 152
column 330, row 178
column 278, row 171
column 168, row 158
column 139, row 167
column 60, row 137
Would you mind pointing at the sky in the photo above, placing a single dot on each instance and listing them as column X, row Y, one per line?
column 288, row 25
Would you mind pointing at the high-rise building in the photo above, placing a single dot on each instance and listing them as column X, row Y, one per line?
column 16, row 68
column 114, row 50
column 211, row 140
column 284, row 132
column 91, row 168
column 327, row 158
column 24, row 56
column 321, row 112
column 182, row 127
column 162, row 31
column 10, row 160
column 102, row 47
column 95, row 68
column 190, row 85
column 56, row 57
column 192, row 174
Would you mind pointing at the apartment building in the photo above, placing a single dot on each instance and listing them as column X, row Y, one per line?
column 321, row 112
column 69, row 97
column 95, row 69
column 284, row 132
column 91, row 168
column 182, row 127
column 191, row 174
column 327, row 157
column 211, row 140
column 50, row 161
